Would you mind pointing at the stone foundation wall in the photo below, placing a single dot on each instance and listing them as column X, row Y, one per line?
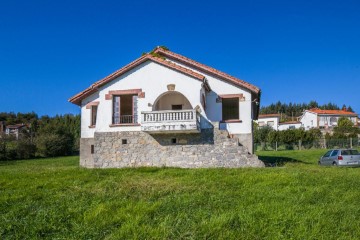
column 247, row 141
column 210, row 148
column 86, row 157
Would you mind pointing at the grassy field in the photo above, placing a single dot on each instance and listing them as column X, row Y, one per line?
column 55, row 199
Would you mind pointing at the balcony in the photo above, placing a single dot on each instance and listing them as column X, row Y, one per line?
column 171, row 121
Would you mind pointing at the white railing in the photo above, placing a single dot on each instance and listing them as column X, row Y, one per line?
column 170, row 116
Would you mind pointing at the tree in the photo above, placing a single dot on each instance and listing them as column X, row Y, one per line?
column 51, row 145
column 45, row 136
column 25, row 149
column 346, row 126
column 2, row 148
column 288, row 137
column 261, row 134
column 300, row 136
column 273, row 138
column 294, row 109
column 313, row 104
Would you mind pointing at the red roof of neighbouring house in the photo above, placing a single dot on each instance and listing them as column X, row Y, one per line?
column 331, row 112
column 94, row 87
column 290, row 122
column 15, row 126
column 269, row 115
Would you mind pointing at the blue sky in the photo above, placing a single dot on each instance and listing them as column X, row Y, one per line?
column 295, row 51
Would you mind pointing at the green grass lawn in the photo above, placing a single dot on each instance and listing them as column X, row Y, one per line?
column 55, row 199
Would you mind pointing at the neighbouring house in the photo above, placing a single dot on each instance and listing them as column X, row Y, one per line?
column 271, row 120
column 289, row 125
column 15, row 130
column 318, row 118
column 164, row 109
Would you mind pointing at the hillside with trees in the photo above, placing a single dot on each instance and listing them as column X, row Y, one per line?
column 41, row 137
column 291, row 110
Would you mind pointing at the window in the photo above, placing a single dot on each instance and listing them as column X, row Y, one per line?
column 124, row 141
column 92, row 149
column 261, row 124
column 349, row 152
column 334, row 153
column 125, row 109
column 176, row 107
column 230, row 109
column 174, row 141
column 93, row 115
column 328, row 153
column 270, row 123
column 292, row 127
column 333, row 121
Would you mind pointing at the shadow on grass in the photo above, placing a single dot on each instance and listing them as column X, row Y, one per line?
column 7, row 162
column 274, row 161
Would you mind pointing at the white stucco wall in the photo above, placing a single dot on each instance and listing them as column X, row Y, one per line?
column 324, row 120
column 214, row 109
column 87, row 132
column 286, row 126
column 331, row 120
column 309, row 120
column 173, row 98
column 266, row 121
column 153, row 79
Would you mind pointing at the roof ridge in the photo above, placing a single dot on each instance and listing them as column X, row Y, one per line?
column 206, row 68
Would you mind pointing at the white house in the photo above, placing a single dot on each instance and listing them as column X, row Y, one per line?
column 317, row 118
column 289, row 125
column 14, row 130
column 272, row 120
column 164, row 109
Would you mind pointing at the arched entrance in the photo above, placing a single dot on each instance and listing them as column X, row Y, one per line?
column 171, row 113
column 171, row 100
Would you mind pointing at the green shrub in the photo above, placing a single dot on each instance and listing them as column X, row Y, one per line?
column 50, row 145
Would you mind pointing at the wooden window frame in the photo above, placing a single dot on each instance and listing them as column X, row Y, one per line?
column 90, row 106
column 239, row 98
column 226, row 116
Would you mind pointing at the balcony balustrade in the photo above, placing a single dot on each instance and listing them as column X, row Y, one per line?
column 170, row 121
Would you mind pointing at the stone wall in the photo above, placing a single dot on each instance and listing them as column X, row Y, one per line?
column 247, row 141
column 86, row 157
column 210, row 148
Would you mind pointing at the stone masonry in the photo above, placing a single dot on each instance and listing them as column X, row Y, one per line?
column 209, row 149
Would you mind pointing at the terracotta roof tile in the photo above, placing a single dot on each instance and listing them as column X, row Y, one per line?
column 331, row 112
column 269, row 115
column 290, row 122
column 20, row 125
